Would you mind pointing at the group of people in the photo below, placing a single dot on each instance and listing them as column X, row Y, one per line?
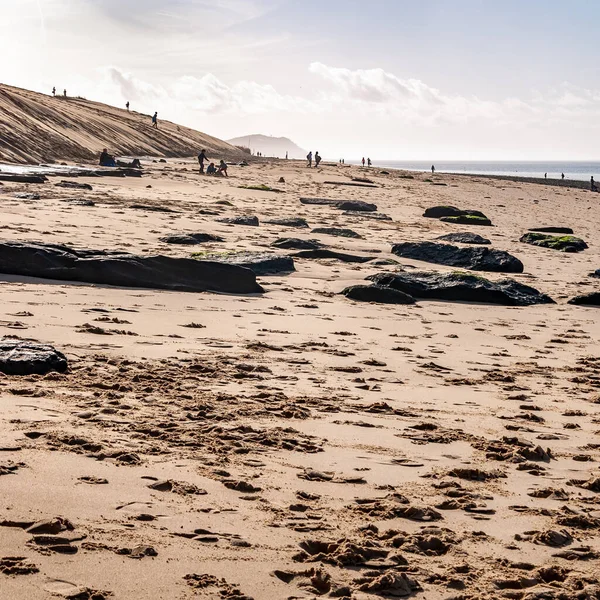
column 368, row 162
column 54, row 92
column 309, row 158
column 212, row 169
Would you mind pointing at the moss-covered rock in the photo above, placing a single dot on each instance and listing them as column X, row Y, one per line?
column 563, row 243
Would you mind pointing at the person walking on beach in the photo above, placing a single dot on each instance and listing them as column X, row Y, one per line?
column 309, row 159
column 432, row 169
column 369, row 162
column 317, row 159
column 201, row 159
column 54, row 91
column 363, row 161
column 562, row 176
column 286, row 154
column 155, row 120
column 127, row 105
column 592, row 185
column 545, row 175
column 65, row 93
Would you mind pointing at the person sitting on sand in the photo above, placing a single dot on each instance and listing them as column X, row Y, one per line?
column 317, row 159
column 211, row 169
column 201, row 159
column 309, row 159
column 222, row 170
column 106, row 160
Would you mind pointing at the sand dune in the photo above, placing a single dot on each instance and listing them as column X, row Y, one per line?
column 35, row 127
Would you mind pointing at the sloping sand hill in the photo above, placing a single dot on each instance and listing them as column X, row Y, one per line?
column 35, row 127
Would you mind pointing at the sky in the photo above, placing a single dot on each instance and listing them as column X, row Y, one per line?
column 391, row 79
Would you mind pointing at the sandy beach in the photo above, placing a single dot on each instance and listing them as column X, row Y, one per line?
column 297, row 443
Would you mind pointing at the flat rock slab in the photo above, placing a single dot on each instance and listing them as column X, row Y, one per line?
column 563, row 230
column 468, row 220
column 465, row 237
column 291, row 222
column 63, row 263
column 352, row 205
column 26, row 196
column 349, row 258
column 564, row 243
column 16, row 178
column 73, row 185
column 337, row 231
column 152, row 208
column 18, row 357
column 476, row 259
column 591, row 299
column 351, row 183
column 436, row 212
column 378, row 294
column 461, row 287
column 260, row 263
column 296, row 244
column 251, row 221
column 369, row 215
column 191, row 239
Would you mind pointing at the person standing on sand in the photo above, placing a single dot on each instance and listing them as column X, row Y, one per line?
column 545, row 175
column 286, row 156
column 592, row 184
column 201, row 159
column 54, row 91
column 562, row 176
column 363, row 161
column 317, row 159
column 127, row 105
column 309, row 159
column 155, row 120
column 369, row 162
column 65, row 93
column 432, row 169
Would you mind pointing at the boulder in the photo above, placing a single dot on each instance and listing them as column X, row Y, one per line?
column 337, row 231
column 591, row 299
column 564, row 230
column 260, row 263
column 464, row 237
column 357, row 206
column 190, row 239
column 564, row 243
column 296, row 244
column 73, row 185
column 468, row 220
column 349, row 258
column 19, row 357
column 436, row 212
column 377, row 293
column 103, row 267
column 249, row 220
column 290, row 222
column 476, row 259
column 461, row 287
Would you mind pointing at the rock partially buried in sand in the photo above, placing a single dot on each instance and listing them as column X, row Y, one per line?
column 368, row 215
column 296, row 244
column 74, row 185
column 563, row 230
column 349, row 205
column 377, row 293
column 437, row 212
column 124, row 270
column 291, row 222
column 337, row 231
column 461, row 287
column 260, row 263
column 251, row 221
column 565, row 243
column 476, row 259
column 591, row 299
column 191, row 239
column 465, row 237
column 19, row 357
column 324, row 253
column 468, row 220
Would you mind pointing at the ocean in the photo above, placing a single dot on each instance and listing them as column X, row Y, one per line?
column 581, row 171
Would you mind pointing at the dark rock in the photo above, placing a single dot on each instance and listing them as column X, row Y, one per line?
column 337, row 231
column 17, row 178
column 350, row 183
column 565, row 243
column 565, row 230
column 464, row 237
column 350, row 258
column 124, row 270
column 296, row 244
column 153, row 208
column 369, row 215
column 320, row 201
column 377, row 293
column 241, row 220
column 19, row 357
column 461, row 287
column 357, row 206
column 260, row 263
column 436, row 212
column 591, row 299
column 191, row 239
column 476, row 259
column 595, row 273
column 79, row 201
column 468, row 220
column 26, row 196
column 291, row 222
column 74, row 185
